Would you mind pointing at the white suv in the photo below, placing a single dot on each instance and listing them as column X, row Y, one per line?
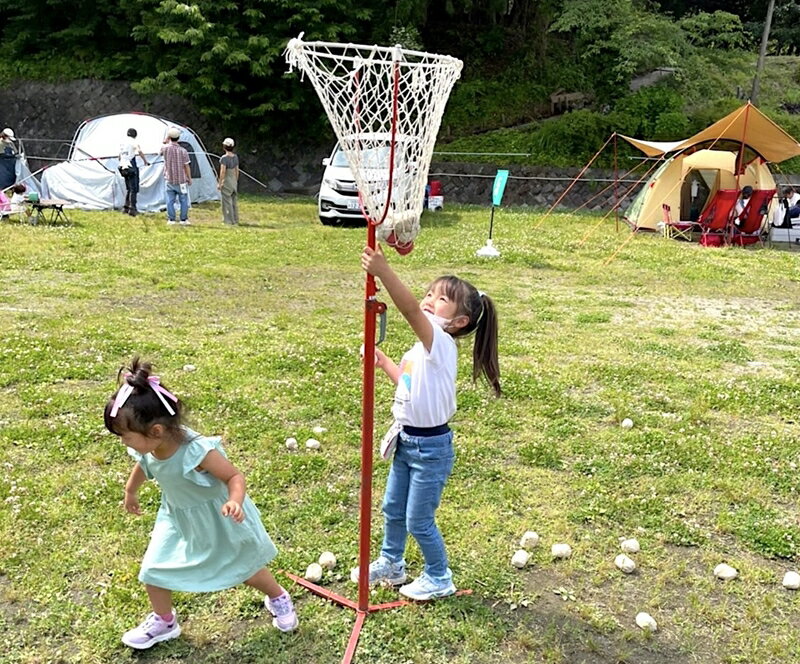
column 338, row 194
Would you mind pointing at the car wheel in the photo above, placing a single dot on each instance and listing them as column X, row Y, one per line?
column 329, row 221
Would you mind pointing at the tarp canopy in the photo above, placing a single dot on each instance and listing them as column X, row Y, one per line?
column 90, row 178
column 745, row 125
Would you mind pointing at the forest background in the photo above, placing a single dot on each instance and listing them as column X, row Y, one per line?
column 226, row 58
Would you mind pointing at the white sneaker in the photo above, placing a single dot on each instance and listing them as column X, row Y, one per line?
column 153, row 630
column 171, row 222
column 424, row 588
column 383, row 571
column 186, row 222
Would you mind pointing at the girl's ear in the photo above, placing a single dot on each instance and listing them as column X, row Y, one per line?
column 459, row 322
column 156, row 431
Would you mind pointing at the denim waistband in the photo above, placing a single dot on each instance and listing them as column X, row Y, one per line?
column 426, row 432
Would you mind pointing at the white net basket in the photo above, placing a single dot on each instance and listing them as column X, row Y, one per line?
column 385, row 105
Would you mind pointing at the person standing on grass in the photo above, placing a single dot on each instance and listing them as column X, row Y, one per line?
column 178, row 176
column 228, row 184
column 424, row 402
column 208, row 534
column 129, row 170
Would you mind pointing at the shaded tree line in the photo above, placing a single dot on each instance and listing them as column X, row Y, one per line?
column 226, row 56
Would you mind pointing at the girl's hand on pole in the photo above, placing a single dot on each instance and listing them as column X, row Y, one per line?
column 131, row 503
column 233, row 510
column 377, row 358
column 373, row 261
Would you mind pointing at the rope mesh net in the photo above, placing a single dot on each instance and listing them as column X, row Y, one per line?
column 385, row 106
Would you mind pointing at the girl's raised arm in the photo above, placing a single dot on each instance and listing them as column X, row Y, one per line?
column 225, row 471
column 374, row 262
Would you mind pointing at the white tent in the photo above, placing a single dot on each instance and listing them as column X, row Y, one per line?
column 89, row 179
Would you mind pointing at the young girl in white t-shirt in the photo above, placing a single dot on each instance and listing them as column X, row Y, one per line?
column 424, row 402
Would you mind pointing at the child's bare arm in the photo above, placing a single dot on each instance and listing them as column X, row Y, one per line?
column 374, row 262
column 384, row 362
column 135, row 480
column 225, row 471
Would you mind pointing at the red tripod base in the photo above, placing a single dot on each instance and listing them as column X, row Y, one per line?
column 361, row 616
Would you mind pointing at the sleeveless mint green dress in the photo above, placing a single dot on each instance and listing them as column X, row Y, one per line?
column 193, row 547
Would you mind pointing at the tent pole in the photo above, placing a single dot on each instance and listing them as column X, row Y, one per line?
column 616, row 173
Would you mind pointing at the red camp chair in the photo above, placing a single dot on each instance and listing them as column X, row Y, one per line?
column 715, row 218
column 676, row 229
column 748, row 230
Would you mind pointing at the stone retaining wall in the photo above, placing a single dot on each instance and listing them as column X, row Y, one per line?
column 46, row 116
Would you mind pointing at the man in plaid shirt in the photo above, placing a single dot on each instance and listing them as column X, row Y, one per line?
column 178, row 176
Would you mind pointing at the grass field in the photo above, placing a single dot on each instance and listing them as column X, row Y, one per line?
column 699, row 347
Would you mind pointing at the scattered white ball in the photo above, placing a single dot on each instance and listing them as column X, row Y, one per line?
column 520, row 558
column 529, row 540
column 791, row 580
column 627, row 423
column 725, row 572
column 319, row 429
column 624, row 563
column 630, row 545
column 327, row 560
column 313, row 572
column 291, row 444
column 646, row 621
column 189, row 367
column 561, row 550
column 312, row 444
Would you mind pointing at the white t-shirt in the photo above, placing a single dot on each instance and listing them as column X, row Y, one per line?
column 127, row 151
column 18, row 202
column 426, row 390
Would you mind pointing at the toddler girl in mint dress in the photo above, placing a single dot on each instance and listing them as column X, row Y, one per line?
column 208, row 534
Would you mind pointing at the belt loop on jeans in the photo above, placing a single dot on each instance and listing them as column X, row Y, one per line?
column 426, row 432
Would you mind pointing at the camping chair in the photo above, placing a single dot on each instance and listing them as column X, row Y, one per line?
column 751, row 221
column 713, row 221
column 676, row 229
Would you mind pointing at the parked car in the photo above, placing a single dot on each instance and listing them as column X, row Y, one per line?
column 338, row 193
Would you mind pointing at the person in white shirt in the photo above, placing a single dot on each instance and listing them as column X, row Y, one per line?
column 130, row 170
column 741, row 204
column 788, row 208
column 424, row 402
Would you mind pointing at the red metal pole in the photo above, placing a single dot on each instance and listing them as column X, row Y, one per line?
column 367, row 425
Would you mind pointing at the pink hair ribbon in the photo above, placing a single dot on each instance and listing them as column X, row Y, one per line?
column 127, row 389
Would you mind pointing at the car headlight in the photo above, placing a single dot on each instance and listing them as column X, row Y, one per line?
column 329, row 182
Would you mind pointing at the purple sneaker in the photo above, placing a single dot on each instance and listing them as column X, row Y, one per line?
column 285, row 618
column 153, row 630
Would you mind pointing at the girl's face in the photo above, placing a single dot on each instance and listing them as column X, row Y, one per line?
column 145, row 444
column 437, row 303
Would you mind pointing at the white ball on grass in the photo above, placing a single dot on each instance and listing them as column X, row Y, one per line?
column 561, row 550
column 529, row 540
column 319, row 429
column 189, row 367
column 520, row 559
column 627, row 423
column 313, row 572
column 646, row 621
column 725, row 572
column 312, row 444
column 624, row 563
column 291, row 444
column 791, row 580
column 327, row 560
column 630, row 545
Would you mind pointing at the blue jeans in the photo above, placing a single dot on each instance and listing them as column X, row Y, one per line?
column 419, row 472
column 173, row 191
